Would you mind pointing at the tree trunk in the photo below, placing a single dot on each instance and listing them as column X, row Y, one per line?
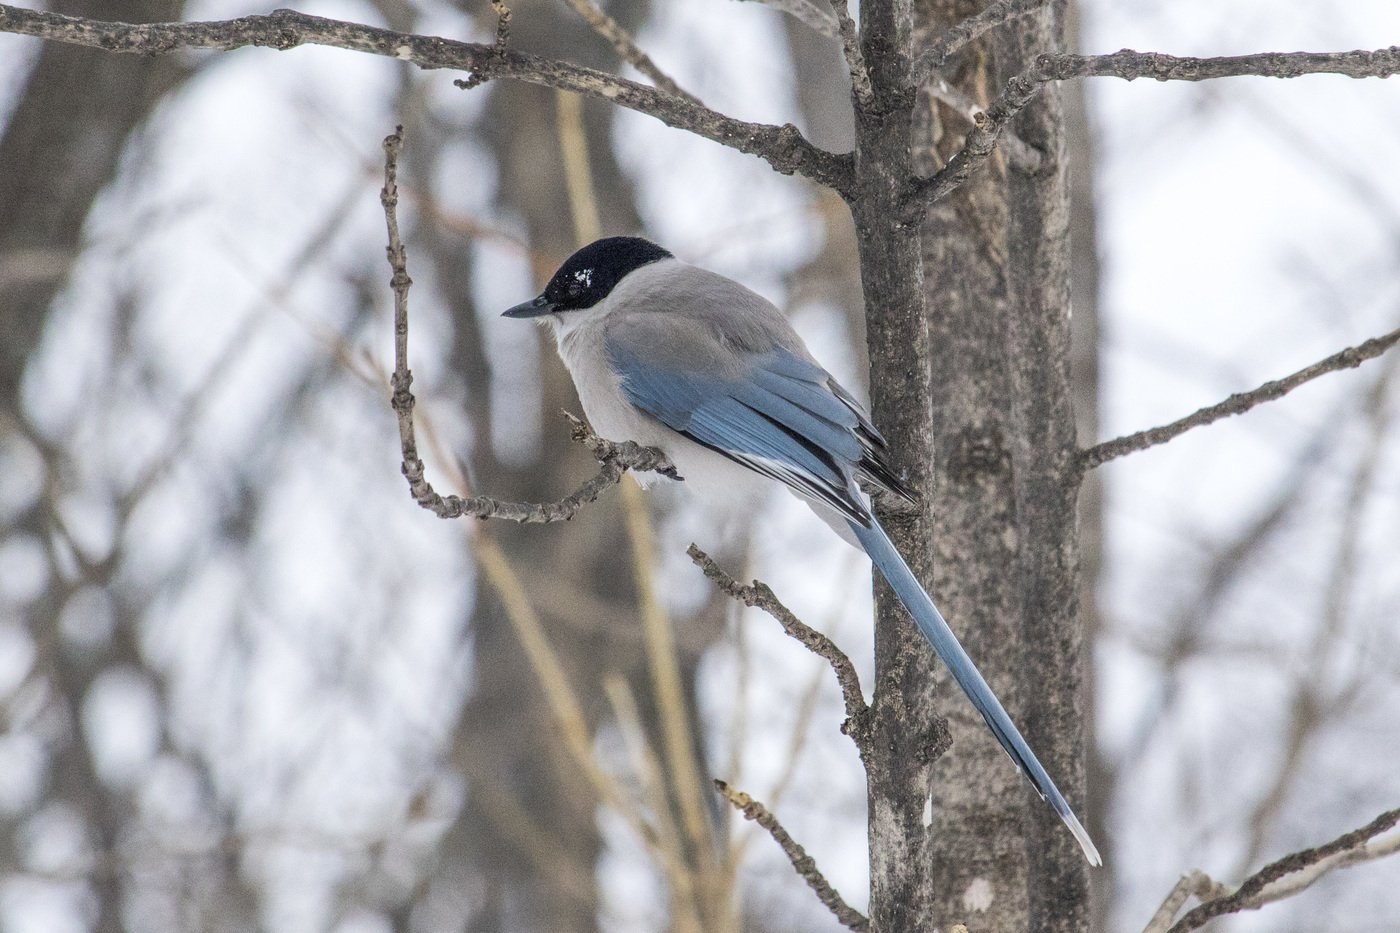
column 974, row 396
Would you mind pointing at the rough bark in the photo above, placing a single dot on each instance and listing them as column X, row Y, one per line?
column 987, row 407
column 1046, row 478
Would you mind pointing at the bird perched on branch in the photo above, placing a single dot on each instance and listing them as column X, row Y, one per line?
column 685, row 360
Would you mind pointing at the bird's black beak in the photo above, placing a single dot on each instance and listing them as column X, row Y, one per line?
column 532, row 308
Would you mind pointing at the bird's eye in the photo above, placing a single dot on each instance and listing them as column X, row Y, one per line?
column 575, row 290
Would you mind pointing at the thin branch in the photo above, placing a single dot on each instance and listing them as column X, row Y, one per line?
column 626, row 47
column 1238, row 403
column 803, row 863
column 815, row 17
column 614, row 459
column 783, row 147
column 855, row 59
column 1302, row 880
column 1294, row 873
column 1127, row 64
column 957, row 37
column 758, row 594
column 977, row 148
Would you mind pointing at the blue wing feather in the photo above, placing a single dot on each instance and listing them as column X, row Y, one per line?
column 776, row 419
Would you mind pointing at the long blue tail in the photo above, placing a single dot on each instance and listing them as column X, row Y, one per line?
column 927, row 617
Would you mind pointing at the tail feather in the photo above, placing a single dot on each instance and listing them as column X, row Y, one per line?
column 927, row 617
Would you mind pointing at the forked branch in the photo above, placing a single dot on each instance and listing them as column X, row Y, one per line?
column 1278, row 880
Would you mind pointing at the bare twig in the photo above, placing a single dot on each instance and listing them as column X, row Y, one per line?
column 626, row 47
column 1280, row 879
column 783, row 147
column 1302, row 880
column 1127, row 64
column 977, row 148
column 815, row 17
column 850, row 48
column 1238, row 403
column 805, row 866
column 614, row 459
column 758, row 594
column 956, row 37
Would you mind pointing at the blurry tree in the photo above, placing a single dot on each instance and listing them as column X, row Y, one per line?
column 62, row 144
column 503, row 741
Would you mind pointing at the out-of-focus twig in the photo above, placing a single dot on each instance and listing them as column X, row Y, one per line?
column 712, row 897
column 1318, row 700
column 803, row 863
column 626, row 47
column 855, row 59
column 812, row 15
column 684, row 906
column 563, row 701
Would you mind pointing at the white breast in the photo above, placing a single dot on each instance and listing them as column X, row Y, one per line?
column 716, row 478
column 581, row 348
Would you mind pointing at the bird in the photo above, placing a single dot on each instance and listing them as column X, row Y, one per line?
column 697, row 365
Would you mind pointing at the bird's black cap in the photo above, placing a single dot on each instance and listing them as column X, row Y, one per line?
column 589, row 275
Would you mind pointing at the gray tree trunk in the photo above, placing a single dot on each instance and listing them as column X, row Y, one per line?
column 975, row 398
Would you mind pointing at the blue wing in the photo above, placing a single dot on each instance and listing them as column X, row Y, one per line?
column 778, row 415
